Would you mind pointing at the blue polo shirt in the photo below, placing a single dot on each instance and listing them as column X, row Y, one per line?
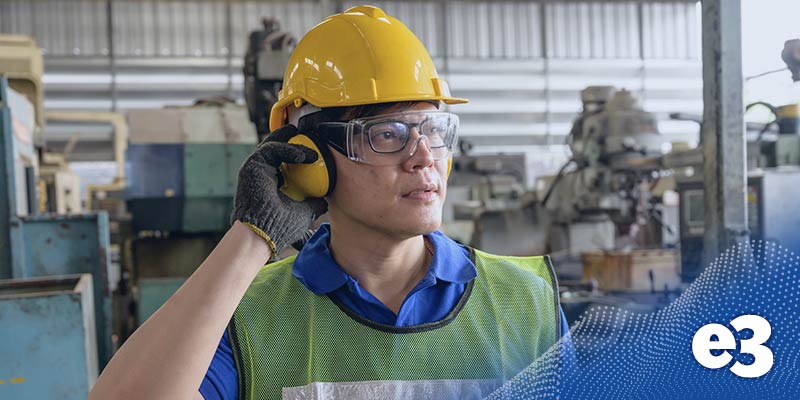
column 431, row 300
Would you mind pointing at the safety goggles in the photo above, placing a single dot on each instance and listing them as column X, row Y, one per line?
column 392, row 139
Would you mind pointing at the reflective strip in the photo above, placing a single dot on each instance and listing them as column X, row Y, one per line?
column 390, row 390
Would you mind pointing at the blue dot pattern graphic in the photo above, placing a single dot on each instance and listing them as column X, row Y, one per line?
column 621, row 354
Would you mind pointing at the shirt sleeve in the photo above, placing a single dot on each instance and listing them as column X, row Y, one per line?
column 568, row 361
column 221, row 381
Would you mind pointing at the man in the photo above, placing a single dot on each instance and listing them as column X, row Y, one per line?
column 378, row 304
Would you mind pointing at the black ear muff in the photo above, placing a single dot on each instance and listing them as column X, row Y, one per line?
column 317, row 179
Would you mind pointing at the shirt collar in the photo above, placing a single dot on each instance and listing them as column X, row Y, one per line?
column 316, row 269
column 450, row 262
column 314, row 266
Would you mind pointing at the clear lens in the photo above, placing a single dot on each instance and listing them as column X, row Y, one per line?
column 389, row 139
column 436, row 130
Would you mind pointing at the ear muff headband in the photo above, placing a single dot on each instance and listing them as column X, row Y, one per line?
column 317, row 179
column 449, row 167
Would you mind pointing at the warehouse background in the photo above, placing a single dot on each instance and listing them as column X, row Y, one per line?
column 630, row 226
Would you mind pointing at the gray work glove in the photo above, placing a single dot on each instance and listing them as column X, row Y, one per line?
column 260, row 204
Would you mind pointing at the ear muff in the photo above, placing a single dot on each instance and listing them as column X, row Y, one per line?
column 301, row 181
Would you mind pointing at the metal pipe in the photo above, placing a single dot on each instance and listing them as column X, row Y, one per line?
column 229, row 45
column 7, row 182
column 112, row 57
column 723, row 135
column 545, row 71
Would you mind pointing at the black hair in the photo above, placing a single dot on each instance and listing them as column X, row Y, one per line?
column 341, row 114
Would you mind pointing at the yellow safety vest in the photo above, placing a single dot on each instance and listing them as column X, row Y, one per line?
column 290, row 343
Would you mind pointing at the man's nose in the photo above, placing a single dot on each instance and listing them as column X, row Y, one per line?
column 416, row 146
column 420, row 155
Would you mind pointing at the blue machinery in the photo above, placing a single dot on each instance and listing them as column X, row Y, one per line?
column 182, row 165
column 36, row 246
column 48, row 349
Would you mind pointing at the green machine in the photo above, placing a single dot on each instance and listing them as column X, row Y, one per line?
column 181, row 168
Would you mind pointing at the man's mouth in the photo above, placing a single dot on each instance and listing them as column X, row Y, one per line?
column 423, row 192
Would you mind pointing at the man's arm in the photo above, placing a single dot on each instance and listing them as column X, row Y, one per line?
column 167, row 357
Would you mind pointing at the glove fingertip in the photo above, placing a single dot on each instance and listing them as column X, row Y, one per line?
column 282, row 134
column 310, row 155
column 299, row 154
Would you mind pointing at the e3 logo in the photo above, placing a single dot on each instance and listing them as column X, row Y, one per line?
column 702, row 345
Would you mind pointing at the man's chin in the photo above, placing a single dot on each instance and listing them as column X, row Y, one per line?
column 425, row 227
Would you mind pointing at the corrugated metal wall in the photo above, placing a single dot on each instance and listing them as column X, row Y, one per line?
column 522, row 63
column 470, row 29
column 62, row 28
column 148, row 28
column 592, row 30
column 165, row 29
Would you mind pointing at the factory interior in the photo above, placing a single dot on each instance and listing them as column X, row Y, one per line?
column 631, row 141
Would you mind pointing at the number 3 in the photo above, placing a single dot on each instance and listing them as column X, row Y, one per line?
column 763, row 355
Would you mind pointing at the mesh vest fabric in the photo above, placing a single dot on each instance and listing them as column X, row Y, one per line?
column 285, row 336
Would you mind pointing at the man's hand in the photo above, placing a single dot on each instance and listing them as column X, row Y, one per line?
column 260, row 204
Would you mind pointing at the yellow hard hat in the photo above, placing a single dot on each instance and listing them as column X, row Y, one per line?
column 361, row 56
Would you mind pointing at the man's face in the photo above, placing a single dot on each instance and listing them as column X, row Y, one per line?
column 402, row 200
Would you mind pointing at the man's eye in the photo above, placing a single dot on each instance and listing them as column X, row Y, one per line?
column 385, row 135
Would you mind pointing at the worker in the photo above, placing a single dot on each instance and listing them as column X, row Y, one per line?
column 379, row 303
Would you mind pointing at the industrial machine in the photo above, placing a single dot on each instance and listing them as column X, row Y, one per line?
column 772, row 182
column 773, row 213
column 182, row 164
column 784, row 147
column 791, row 56
column 600, row 199
column 488, row 206
column 267, row 55
column 605, row 198
column 23, row 65
column 42, row 245
column 49, row 348
column 59, row 186
column 21, row 62
column 181, row 171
